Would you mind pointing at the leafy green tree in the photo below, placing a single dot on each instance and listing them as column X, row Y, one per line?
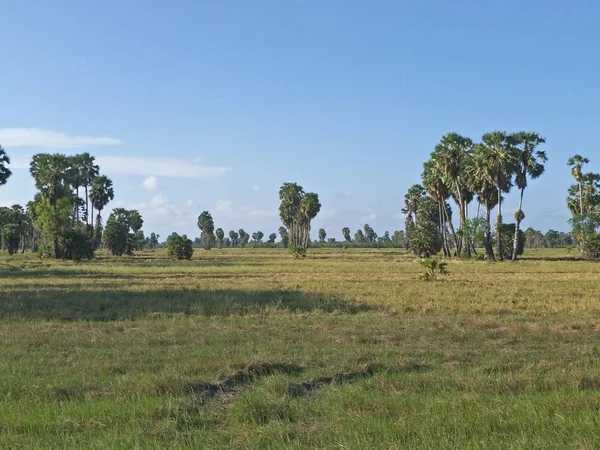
column 116, row 235
column 153, row 240
column 13, row 226
column 530, row 164
column 207, row 227
column 322, row 235
column 272, row 238
column 359, row 237
column 50, row 174
column 179, row 247
column 257, row 236
column 220, row 235
column 346, row 234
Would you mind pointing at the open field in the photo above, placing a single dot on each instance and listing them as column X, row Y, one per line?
column 346, row 349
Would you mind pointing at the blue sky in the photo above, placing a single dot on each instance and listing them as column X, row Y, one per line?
column 197, row 105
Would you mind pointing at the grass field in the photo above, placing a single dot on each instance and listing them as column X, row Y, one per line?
column 347, row 349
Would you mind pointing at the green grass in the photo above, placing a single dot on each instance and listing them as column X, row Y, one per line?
column 345, row 349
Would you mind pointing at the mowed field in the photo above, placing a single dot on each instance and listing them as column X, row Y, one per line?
column 346, row 349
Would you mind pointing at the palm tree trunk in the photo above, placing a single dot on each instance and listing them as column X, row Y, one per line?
column 499, row 225
column 580, row 198
column 442, row 227
column 489, row 249
column 517, row 227
column 451, row 225
column 87, row 218
column 466, row 246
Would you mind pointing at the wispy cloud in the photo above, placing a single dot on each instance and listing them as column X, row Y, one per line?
column 261, row 213
column 166, row 167
column 223, row 206
column 255, row 188
column 37, row 137
column 369, row 216
column 150, row 183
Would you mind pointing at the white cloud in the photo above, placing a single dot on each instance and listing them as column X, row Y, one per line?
column 159, row 200
column 327, row 214
column 370, row 216
column 223, row 206
column 190, row 202
column 150, row 183
column 255, row 188
column 159, row 166
column 36, row 137
column 261, row 213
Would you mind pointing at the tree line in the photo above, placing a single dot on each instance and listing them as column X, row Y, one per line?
column 64, row 220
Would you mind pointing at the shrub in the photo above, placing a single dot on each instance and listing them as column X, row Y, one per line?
column 508, row 236
column 179, row 247
column 297, row 252
column 76, row 244
column 433, row 267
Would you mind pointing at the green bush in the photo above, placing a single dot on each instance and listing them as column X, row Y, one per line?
column 76, row 244
column 179, row 247
column 508, row 237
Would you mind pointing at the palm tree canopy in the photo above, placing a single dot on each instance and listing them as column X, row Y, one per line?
column 5, row 172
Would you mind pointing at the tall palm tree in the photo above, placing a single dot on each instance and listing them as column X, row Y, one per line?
column 101, row 193
column 433, row 182
column 480, row 179
column 451, row 154
column 88, row 171
column 5, row 172
column 530, row 164
column 309, row 208
column 502, row 160
column 577, row 162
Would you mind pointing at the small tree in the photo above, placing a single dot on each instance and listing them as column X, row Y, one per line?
column 116, row 233
column 179, row 247
column 207, row 227
column 285, row 238
column 322, row 235
column 220, row 235
column 272, row 238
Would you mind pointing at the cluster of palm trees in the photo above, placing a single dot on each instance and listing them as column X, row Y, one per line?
column 296, row 211
column 463, row 170
column 57, row 207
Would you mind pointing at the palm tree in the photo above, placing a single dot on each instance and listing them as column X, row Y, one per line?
column 530, row 163
column 5, row 172
column 101, row 193
column 577, row 162
column 480, row 180
column 309, row 208
column 451, row 155
column 433, row 182
column 501, row 164
column 346, row 234
column 88, row 171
